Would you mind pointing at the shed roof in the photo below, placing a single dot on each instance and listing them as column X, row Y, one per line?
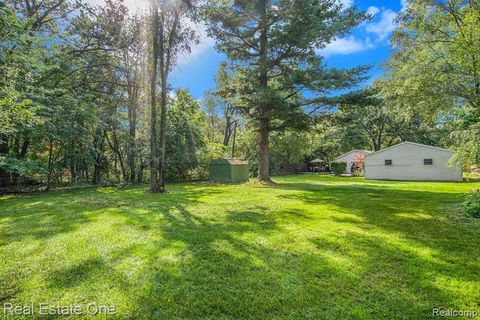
column 365, row 152
column 230, row 161
column 411, row 143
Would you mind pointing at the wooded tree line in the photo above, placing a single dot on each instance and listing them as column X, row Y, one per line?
column 75, row 91
column 85, row 94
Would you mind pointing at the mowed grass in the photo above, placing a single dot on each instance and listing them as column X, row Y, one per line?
column 312, row 246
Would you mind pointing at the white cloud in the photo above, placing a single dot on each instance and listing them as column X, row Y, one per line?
column 384, row 27
column 205, row 43
column 372, row 34
column 373, row 10
column 404, row 4
column 345, row 46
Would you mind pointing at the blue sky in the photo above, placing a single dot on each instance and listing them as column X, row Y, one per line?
column 368, row 44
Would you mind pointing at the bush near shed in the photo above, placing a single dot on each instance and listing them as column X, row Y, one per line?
column 338, row 167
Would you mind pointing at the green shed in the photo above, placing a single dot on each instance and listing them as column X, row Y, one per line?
column 228, row 170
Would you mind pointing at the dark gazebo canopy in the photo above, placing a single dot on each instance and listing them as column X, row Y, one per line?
column 317, row 161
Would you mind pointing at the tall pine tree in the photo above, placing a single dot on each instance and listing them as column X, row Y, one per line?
column 273, row 48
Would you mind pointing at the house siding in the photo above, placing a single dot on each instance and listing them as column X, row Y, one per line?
column 408, row 164
column 350, row 158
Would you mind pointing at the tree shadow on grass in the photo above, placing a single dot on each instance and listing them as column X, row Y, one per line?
column 228, row 269
column 42, row 216
column 417, row 215
column 408, row 234
column 214, row 272
column 228, row 272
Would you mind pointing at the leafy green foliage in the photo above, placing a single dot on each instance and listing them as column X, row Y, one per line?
column 23, row 167
column 471, row 205
column 338, row 167
column 185, row 138
column 289, row 147
column 15, row 113
column 435, row 71
column 373, row 122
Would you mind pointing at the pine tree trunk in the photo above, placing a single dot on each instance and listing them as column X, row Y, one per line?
column 263, row 122
column 263, row 151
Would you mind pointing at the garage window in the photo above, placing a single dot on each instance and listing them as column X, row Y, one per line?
column 388, row 162
column 427, row 162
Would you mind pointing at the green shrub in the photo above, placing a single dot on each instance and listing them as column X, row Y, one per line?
column 338, row 167
column 471, row 205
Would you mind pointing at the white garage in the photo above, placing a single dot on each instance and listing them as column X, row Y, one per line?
column 350, row 158
column 412, row 161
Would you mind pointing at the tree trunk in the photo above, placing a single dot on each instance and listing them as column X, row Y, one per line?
column 163, row 121
column 50, row 165
column 24, row 150
column 377, row 145
column 263, row 151
column 163, row 133
column 263, row 121
column 73, row 171
column 87, row 176
column 115, row 146
column 132, row 122
column 141, row 166
column 71, row 155
column 165, row 53
column 21, row 154
column 234, row 138
column 96, row 174
column 228, row 130
column 16, row 145
column 99, row 146
column 3, row 144
column 154, row 186
column 4, row 175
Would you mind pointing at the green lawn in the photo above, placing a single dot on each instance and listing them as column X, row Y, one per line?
column 310, row 247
